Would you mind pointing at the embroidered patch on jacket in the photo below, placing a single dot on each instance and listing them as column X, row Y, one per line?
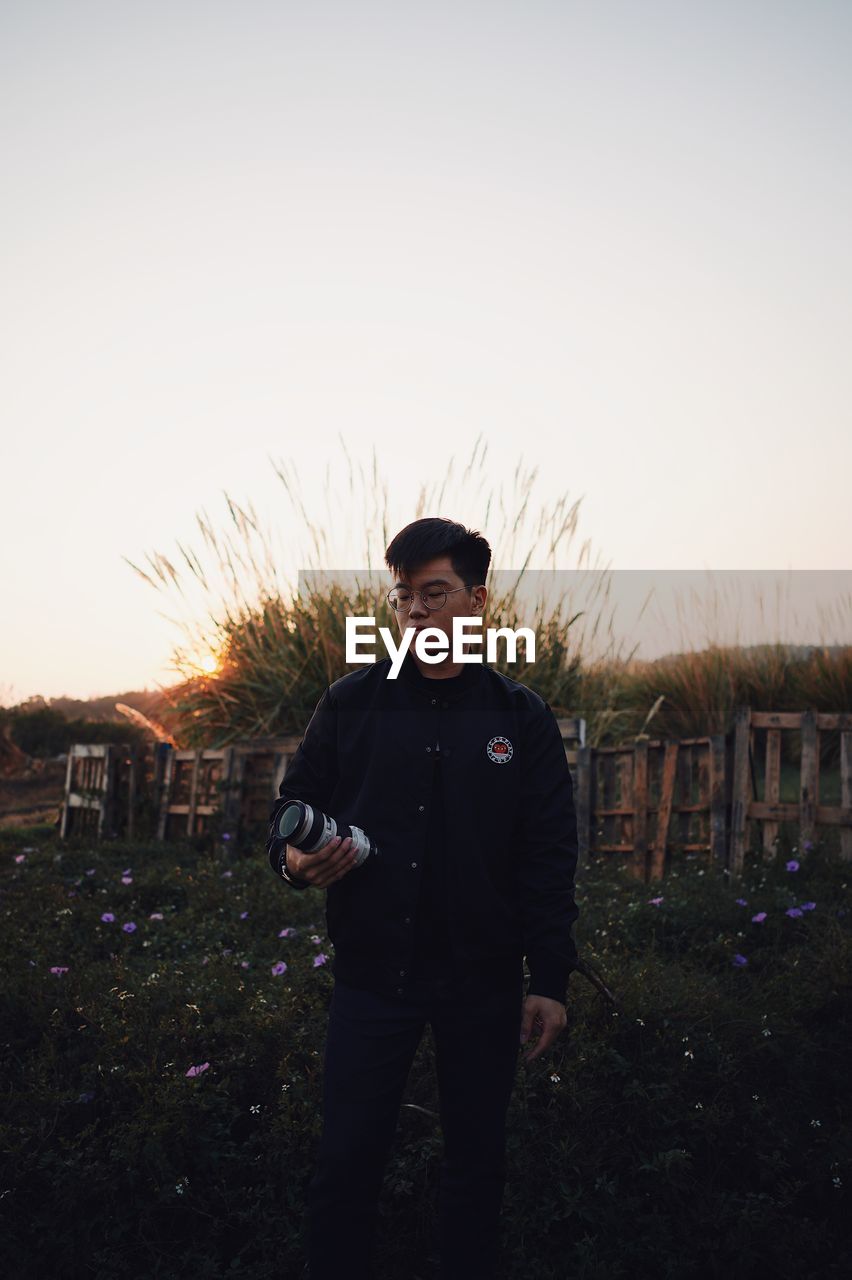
column 500, row 750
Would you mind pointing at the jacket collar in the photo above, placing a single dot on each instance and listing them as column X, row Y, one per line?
column 448, row 690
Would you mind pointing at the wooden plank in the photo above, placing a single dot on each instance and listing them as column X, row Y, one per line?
column 834, row 815
column 640, row 809
column 132, row 789
column 772, row 789
column 664, row 812
column 106, row 818
column 69, row 770
column 582, row 804
column 718, row 835
column 165, row 794
column 809, row 786
column 702, row 765
column 783, row 811
column 622, row 826
column 233, row 806
column 607, row 830
column 793, row 720
column 776, row 719
column 193, row 793
column 846, row 792
column 834, row 720
column 741, row 790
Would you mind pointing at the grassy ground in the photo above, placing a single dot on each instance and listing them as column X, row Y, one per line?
column 698, row 1128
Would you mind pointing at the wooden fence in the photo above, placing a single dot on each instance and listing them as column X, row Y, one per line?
column 649, row 801
column 769, row 810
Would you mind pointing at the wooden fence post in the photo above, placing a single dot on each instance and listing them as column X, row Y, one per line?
column 718, row 806
column 583, row 804
column 742, row 782
column 809, row 786
column 640, row 807
column 846, row 792
column 664, row 813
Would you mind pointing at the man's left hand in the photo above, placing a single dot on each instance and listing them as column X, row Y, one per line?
column 548, row 1017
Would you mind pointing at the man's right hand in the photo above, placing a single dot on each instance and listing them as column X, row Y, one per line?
column 322, row 868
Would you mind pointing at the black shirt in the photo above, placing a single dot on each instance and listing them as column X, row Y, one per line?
column 510, row 831
column 433, row 958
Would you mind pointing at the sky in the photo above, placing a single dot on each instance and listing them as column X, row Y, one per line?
column 609, row 242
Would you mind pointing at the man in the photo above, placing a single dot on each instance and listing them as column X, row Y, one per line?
column 459, row 775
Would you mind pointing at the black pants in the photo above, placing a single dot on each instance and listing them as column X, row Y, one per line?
column 371, row 1043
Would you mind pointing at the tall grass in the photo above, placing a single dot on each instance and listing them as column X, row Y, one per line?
column 270, row 645
column 273, row 646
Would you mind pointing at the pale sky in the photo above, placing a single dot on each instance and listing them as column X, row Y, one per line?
column 611, row 237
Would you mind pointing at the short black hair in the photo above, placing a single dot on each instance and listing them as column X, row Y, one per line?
column 422, row 540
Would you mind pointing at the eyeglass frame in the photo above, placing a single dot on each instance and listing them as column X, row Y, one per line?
column 422, row 596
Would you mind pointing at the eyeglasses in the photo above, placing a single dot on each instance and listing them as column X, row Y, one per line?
column 400, row 598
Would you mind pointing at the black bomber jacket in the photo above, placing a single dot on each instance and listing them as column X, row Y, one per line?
column 511, row 827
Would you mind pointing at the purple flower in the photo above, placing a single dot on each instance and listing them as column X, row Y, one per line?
column 793, row 911
column 20, row 857
column 107, row 917
column 739, row 960
column 808, row 906
column 279, row 968
column 226, row 875
column 244, row 964
column 130, row 927
column 127, row 871
column 808, row 845
column 59, row 968
column 792, row 865
column 320, row 959
column 127, row 879
column 196, row 1071
column 742, row 902
column 759, row 918
column 225, row 836
column 243, row 915
column 655, row 902
column 285, row 933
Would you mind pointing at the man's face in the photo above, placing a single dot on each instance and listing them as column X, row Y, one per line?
column 439, row 575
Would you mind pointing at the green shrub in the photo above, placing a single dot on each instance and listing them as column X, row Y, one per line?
column 698, row 1127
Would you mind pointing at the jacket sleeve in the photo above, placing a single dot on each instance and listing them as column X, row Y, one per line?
column 311, row 776
column 546, row 859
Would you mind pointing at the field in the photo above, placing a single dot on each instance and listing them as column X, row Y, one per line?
column 164, row 1012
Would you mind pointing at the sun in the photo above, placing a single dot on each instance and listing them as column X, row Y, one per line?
column 209, row 664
